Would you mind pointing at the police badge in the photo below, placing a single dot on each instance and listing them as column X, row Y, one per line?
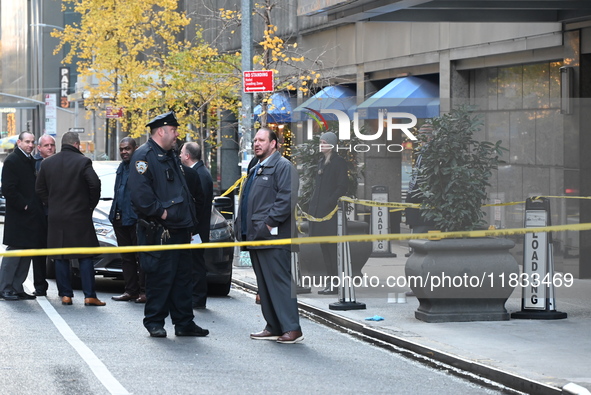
column 141, row 166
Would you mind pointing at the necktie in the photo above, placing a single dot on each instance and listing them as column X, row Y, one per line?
column 245, row 193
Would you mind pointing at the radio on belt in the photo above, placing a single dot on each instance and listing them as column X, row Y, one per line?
column 538, row 302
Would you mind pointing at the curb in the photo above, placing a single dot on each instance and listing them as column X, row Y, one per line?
column 420, row 352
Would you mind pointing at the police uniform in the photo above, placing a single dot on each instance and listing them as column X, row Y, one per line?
column 157, row 183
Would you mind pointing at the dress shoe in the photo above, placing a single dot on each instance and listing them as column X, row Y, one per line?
column 328, row 291
column 40, row 293
column 93, row 302
column 141, row 299
column 25, row 296
column 125, row 297
column 257, row 299
column 291, row 337
column 199, row 306
column 191, row 330
column 67, row 300
column 157, row 331
column 9, row 295
column 264, row 335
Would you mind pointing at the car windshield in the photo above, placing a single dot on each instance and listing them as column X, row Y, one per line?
column 106, row 171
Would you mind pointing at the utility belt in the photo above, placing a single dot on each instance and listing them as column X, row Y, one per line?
column 156, row 233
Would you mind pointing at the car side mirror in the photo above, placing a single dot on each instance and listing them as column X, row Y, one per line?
column 223, row 203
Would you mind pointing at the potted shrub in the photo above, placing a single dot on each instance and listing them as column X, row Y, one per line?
column 460, row 278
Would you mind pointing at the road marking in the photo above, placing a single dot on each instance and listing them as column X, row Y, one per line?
column 94, row 363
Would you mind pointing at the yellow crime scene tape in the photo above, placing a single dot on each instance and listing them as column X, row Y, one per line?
column 297, row 241
column 402, row 206
column 234, row 186
column 317, row 239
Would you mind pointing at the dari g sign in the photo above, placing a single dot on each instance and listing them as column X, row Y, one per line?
column 257, row 81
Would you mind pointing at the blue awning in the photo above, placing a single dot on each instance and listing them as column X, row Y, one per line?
column 415, row 95
column 278, row 109
column 332, row 98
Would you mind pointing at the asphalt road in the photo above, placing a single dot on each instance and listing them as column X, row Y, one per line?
column 48, row 348
column 53, row 349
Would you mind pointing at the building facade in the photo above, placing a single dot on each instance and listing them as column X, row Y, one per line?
column 505, row 62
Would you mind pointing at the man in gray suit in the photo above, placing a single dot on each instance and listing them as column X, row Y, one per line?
column 267, row 204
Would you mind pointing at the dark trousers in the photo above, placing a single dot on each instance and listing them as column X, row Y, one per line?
column 199, row 277
column 40, row 274
column 168, row 283
column 63, row 277
column 279, row 303
column 329, row 254
column 13, row 272
column 133, row 274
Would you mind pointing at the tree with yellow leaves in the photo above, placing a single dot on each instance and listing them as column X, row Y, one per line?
column 136, row 52
column 291, row 68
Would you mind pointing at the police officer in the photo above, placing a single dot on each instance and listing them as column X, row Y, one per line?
column 166, row 215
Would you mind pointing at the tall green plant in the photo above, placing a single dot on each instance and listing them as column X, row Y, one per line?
column 454, row 171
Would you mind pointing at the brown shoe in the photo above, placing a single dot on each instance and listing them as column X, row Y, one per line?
column 141, row 299
column 93, row 302
column 291, row 337
column 264, row 335
column 124, row 297
column 66, row 300
column 257, row 299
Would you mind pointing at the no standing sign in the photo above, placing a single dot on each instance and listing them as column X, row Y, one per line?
column 257, row 81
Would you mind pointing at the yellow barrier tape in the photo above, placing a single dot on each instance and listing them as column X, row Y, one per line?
column 314, row 219
column 298, row 241
column 378, row 204
column 311, row 218
column 560, row 197
column 503, row 204
column 229, row 190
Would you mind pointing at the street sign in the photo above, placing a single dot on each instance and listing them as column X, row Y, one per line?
column 64, row 86
column 538, row 277
column 114, row 112
column 51, row 113
column 258, row 81
column 76, row 130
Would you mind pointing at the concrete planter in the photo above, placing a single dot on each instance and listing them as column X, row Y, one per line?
column 461, row 279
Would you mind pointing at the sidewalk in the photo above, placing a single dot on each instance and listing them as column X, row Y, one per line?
column 533, row 356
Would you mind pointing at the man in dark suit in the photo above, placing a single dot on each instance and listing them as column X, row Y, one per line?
column 24, row 213
column 70, row 188
column 45, row 149
column 124, row 221
column 191, row 157
column 267, row 203
column 330, row 184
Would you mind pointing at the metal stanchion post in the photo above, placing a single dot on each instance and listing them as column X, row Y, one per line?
column 346, row 289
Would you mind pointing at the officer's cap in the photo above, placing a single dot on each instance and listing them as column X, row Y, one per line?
column 162, row 120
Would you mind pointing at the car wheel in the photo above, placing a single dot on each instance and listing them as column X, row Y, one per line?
column 50, row 269
column 219, row 289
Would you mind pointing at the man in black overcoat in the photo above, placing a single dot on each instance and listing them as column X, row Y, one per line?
column 70, row 188
column 191, row 157
column 24, row 212
column 45, row 149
